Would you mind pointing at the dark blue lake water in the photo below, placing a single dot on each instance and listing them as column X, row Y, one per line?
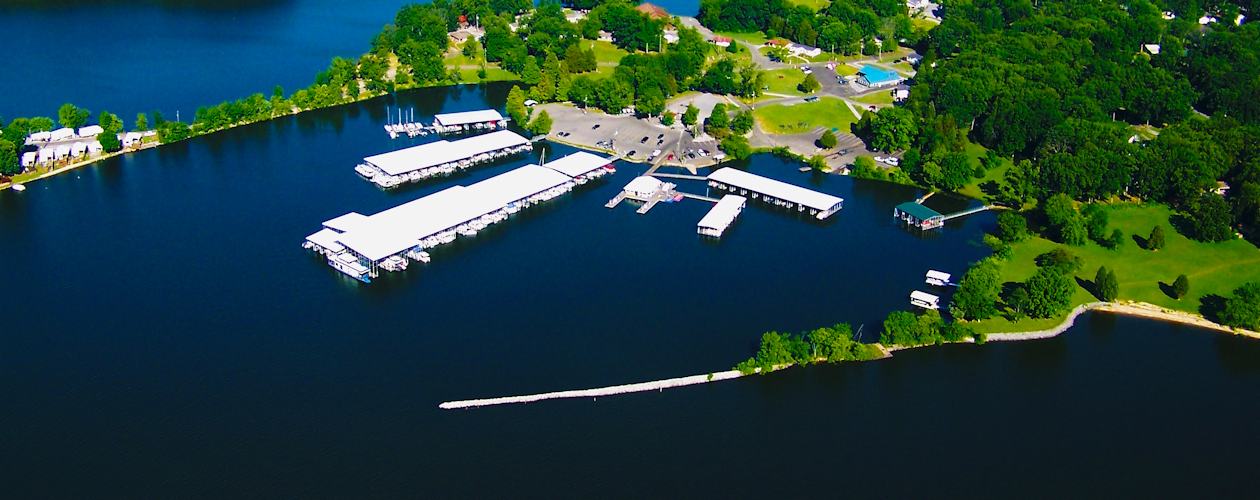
column 167, row 335
column 175, row 55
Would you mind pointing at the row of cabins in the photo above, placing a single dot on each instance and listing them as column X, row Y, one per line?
column 67, row 144
column 361, row 246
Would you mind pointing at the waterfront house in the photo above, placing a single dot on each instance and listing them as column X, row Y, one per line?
column 28, row 159
column 130, row 139
column 61, row 134
column 95, row 147
column 47, row 155
column 90, row 131
column 721, row 41
column 78, row 149
column 670, row 36
column 62, row 152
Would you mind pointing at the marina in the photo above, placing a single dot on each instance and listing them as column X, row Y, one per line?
column 407, row 125
column 469, row 121
column 777, row 193
column 362, row 246
column 440, row 158
column 721, row 216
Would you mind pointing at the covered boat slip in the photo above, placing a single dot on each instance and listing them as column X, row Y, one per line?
column 435, row 154
column 468, row 120
column 721, row 216
column 404, row 231
column 579, row 164
column 819, row 205
column 919, row 216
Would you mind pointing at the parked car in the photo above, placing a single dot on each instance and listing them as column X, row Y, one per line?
column 632, row 153
column 644, row 140
column 811, row 98
column 595, row 126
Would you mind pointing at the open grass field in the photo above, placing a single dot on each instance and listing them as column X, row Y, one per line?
column 830, row 112
column 754, row 37
column 607, row 56
column 493, row 74
column 879, row 97
column 1144, row 275
column 784, row 81
column 815, row 5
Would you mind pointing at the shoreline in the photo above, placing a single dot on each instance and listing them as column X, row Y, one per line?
column 1138, row 309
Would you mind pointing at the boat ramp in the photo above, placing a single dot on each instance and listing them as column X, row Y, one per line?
column 362, row 246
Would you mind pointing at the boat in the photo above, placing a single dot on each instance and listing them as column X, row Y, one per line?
column 466, row 231
column 419, row 256
column 350, row 266
column 19, row 188
column 394, row 263
column 366, row 171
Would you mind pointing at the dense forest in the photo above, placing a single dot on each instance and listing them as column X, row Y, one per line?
column 1061, row 87
column 844, row 26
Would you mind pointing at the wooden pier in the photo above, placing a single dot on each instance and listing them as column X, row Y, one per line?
column 967, row 212
column 616, row 199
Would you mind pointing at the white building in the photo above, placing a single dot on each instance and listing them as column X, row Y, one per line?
column 78, row 149
column 735, row 181
column 804, row 50
column 38, row 137
column 94, row 147
column 28, row 159
column 47, row 155
column 130, row 139
column 90, row 131
column 721, row 216
column 1151, row 48
column 61, row 134
column 644, row 187
column 62, row 152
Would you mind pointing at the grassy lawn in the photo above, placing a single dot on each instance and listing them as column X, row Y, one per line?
column 922, row 24
column 755, row 37
column 883, row 97
column 493, row 74
column 816, row 5
column 784, row 81
column 972, row 189
column 830, row 112
column 457, row 59
column 604, row 51
column 1213, row 268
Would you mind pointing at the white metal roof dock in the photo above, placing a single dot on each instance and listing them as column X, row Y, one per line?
column 401, row 228
column 820, row 205
column 467, row 118
column 436, row 153
column 580, row 163
column 721, row 216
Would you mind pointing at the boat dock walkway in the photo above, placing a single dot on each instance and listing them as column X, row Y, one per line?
column 697, row 197
column 967, row 212
column 616, row 199
column 656, row 385
column 680, row 176
column 656, row 198
column 924, row 198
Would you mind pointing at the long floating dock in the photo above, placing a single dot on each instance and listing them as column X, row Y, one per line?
column 735, row 181
column 721, row 216
column 417, row 163
column 655, row 385
column 361, row 246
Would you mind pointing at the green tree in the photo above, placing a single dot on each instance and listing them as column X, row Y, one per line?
column 1012, row 226
column 892, row 129
column 1180, row 287
column 667, row 118
column 582, row 91
column 1049, row 293
column 736, row 146
column 516, row 106
column 828, row 139
column 8, row 158
column 1243, row 308
column 978, row 291
column 817, row 163
column 112, row 126
column 541, row 124
column 1105, row 284
column 718, row 119
column 72, row 116
column 1156, row 240
column 651, row 101
column 809, row 84
column 530, row 74
column 1095, row 221
column 1115, row 240
column 1210, row 219
column 1065, row 222
column 142, row 122
column 690, row 116
column 742, row 123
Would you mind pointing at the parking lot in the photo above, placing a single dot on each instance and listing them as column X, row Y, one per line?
column 627, row 136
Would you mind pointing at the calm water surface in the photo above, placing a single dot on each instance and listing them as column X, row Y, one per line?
column 175, row 55
column 167, row 335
